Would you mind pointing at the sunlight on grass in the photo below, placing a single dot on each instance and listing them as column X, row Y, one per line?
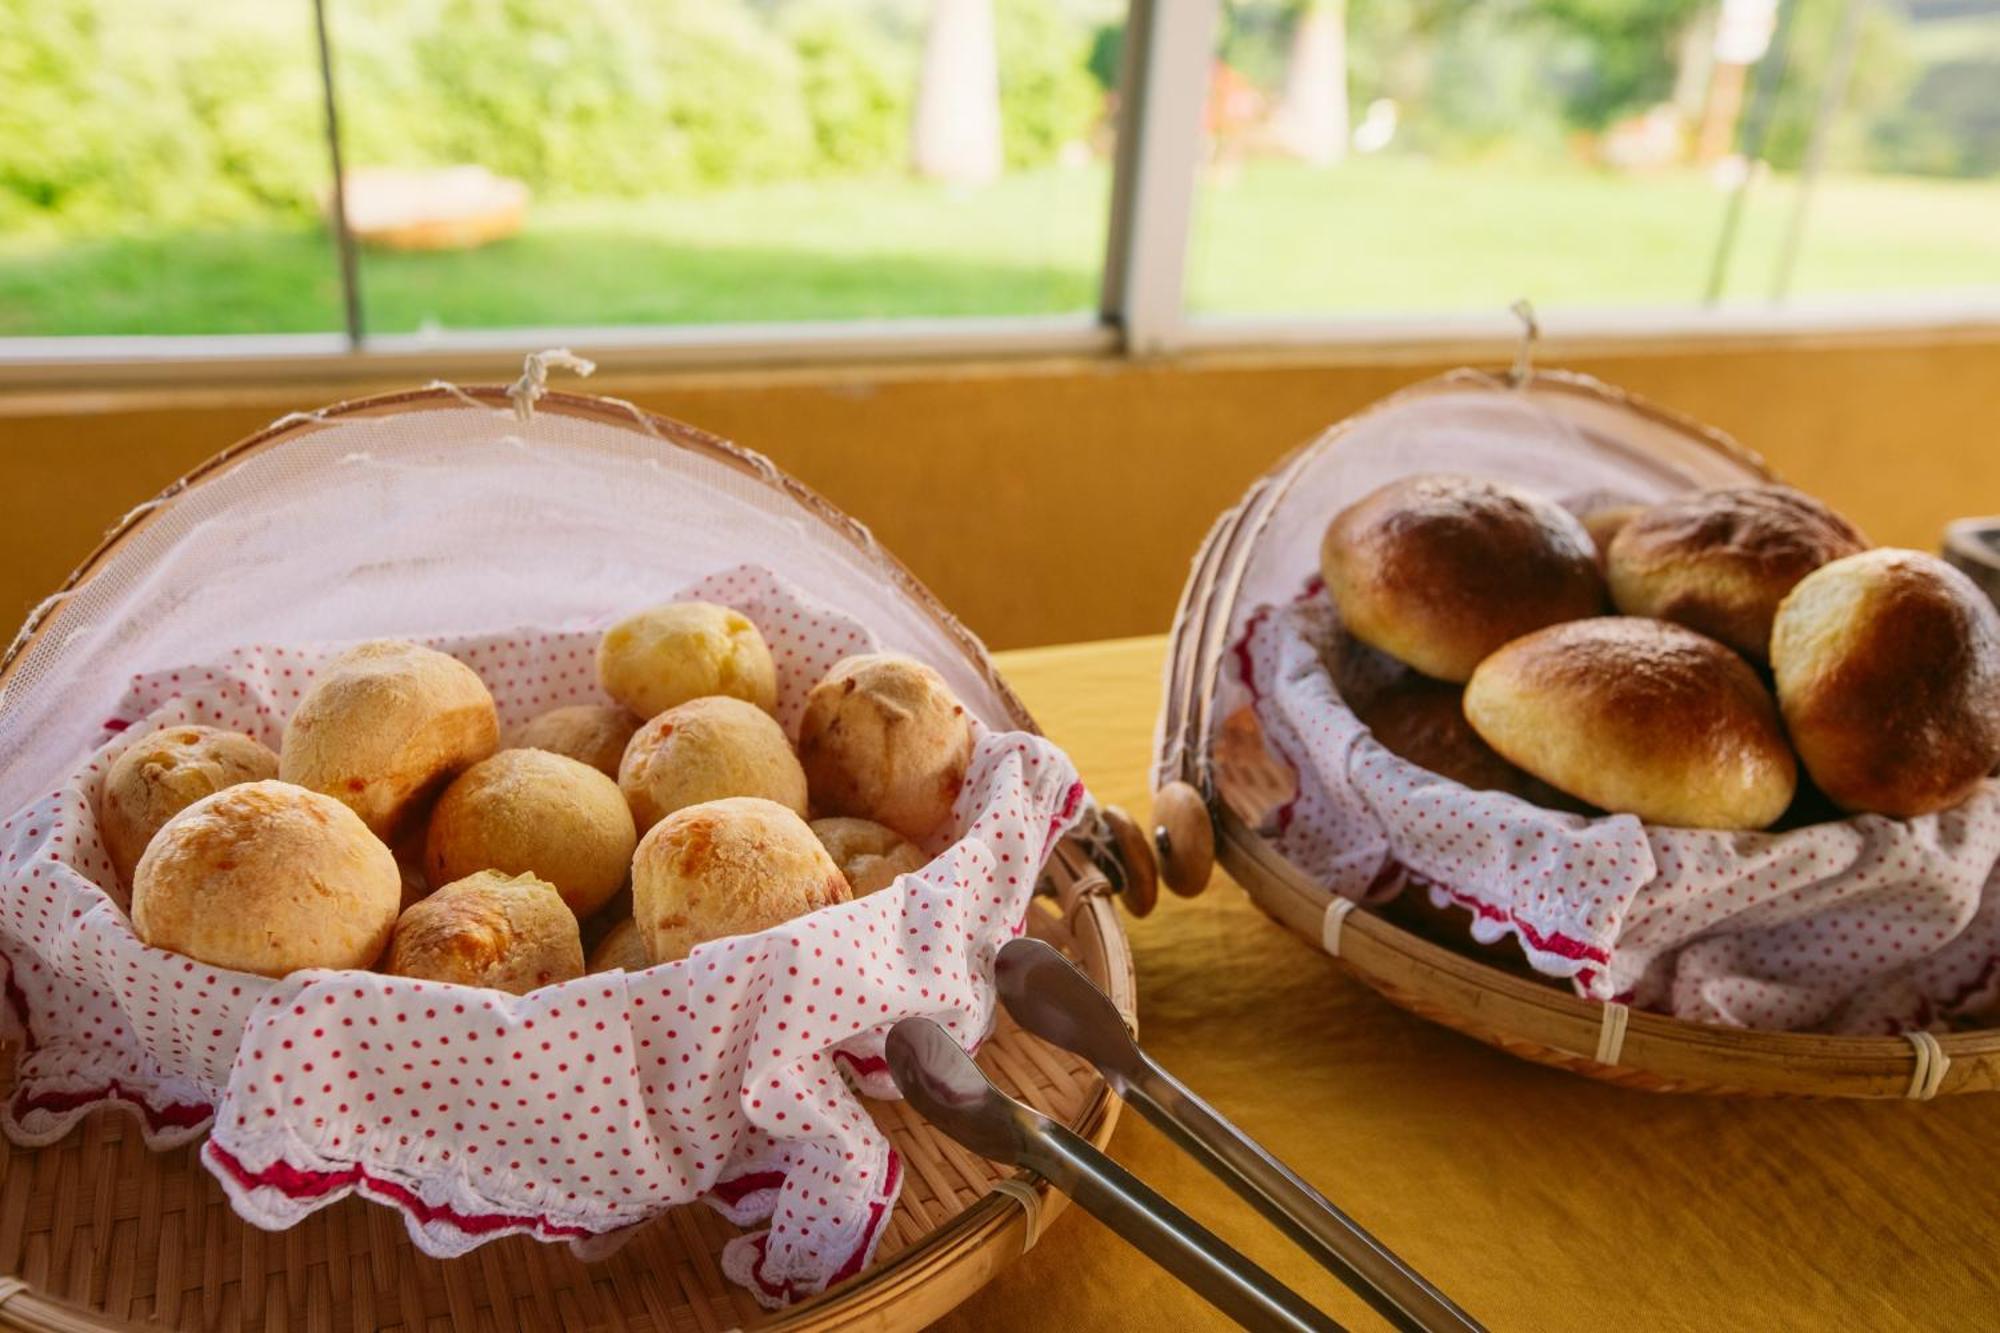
column 1367, row 238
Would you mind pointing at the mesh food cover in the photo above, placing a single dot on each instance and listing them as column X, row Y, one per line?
column 583, row 1109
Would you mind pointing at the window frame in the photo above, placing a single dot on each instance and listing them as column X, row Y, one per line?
column 1142, row 311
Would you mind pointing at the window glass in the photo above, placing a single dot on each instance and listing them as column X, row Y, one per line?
column 531, row 163
column 1387, row 156
column 162, row 169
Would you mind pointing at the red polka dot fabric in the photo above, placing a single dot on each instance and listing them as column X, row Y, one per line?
column 1867, row 925
column 576, row 1112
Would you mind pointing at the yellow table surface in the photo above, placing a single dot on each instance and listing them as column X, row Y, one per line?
column 1536, row 1199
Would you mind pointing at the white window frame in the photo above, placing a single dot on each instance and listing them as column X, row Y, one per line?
column 1168, row 47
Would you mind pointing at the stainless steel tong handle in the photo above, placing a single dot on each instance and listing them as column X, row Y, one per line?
column 943, row 1082
column 1049, row 997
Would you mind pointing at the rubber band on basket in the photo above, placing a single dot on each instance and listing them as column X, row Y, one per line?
column 1023, row 1192
column 1330, row 924
column 1611, row 1033
column 1932, row 1063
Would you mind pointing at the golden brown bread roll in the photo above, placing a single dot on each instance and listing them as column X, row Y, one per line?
column 869, row 855
column 506, row 932
column 667, row 655
column 1721, row 561
column 706, row 750
column 163, row 773
column 1423, row 721
column 385, row 724
column 884, row 738
column 1888, row 668
column 1604, row 523
column 1639, row 716
column 621, row 947
column 1439, row 570
column 266, row 877
column 726, row 868
column 595, row 734
column 532, row 812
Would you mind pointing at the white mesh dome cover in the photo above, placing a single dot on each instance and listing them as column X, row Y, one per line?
column 508, row 544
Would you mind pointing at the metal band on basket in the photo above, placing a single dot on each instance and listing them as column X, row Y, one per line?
column 1022, row 1191
column 1927, row 1076
column 1329, row 928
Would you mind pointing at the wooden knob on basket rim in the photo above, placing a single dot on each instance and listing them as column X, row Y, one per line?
column 1183, row 838
column 1136, row 877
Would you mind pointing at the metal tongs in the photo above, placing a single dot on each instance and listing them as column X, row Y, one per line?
column 1050, row 998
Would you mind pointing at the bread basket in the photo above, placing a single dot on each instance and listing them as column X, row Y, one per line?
column 1212, row 763
column 475, row 513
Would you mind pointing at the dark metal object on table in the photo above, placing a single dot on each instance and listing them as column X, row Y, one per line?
column 1048, row 996
column 1973, row 544
column 938, row 1078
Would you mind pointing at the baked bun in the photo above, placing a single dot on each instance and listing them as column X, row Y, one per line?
column 1605, row 523
column 531, row 812
column 266, row 877
column 706, row 750
column 595, row 734
column 667, row 655
column 1423, row 720
column 884, row 738
column 505, row 932
column 727, row 868
column 163, row 773
column 1888, row 669
column 1639, row 716
column 384, row 725
column 1721, row 561
column 622, row 947
column 1437, row 571
column 869, row 855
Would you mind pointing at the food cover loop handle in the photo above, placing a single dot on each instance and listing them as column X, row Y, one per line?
column 534, row 382
column 1524, row 351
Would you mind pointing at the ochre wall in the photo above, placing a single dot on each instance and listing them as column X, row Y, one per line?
column 1057, row 501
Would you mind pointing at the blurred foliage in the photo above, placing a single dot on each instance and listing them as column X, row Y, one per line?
column 119, row 113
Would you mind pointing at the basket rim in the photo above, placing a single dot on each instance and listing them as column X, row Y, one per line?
column 1086, row 893
column 1202, row 620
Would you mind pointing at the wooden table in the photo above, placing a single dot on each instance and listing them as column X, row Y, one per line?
column 1537, row 1199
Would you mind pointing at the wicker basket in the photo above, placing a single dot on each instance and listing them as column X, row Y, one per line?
column 1236, row 777
column 98, row 1232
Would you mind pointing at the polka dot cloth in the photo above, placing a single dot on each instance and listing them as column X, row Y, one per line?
column 1868, row 925
column 573, row 1113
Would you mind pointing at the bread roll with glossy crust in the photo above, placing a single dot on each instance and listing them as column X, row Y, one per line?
column 384, row 725
column 1439, row 570
column 595, row 734
column 1605, row 523
column 667, row 655
column 163, row 773
column 884, row 738
column 531, row 812
column 1639, row 716
column 726, row 868
column 622, row 947
column 266, row 877
column 706, row 750
column 1423, row 720
column 870, row 855
column 505, row 932
column 1721, row 561
column 1888, row 669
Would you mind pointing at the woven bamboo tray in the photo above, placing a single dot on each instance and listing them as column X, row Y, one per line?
column 96, row 1232
column 1225, row 766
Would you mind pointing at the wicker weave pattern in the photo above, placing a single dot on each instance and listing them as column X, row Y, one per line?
column 130, row 1236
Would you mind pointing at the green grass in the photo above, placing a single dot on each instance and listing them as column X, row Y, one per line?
column 1372, row 237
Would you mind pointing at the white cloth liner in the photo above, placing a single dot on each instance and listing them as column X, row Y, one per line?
column 1865, row 925
column 573, row 1113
